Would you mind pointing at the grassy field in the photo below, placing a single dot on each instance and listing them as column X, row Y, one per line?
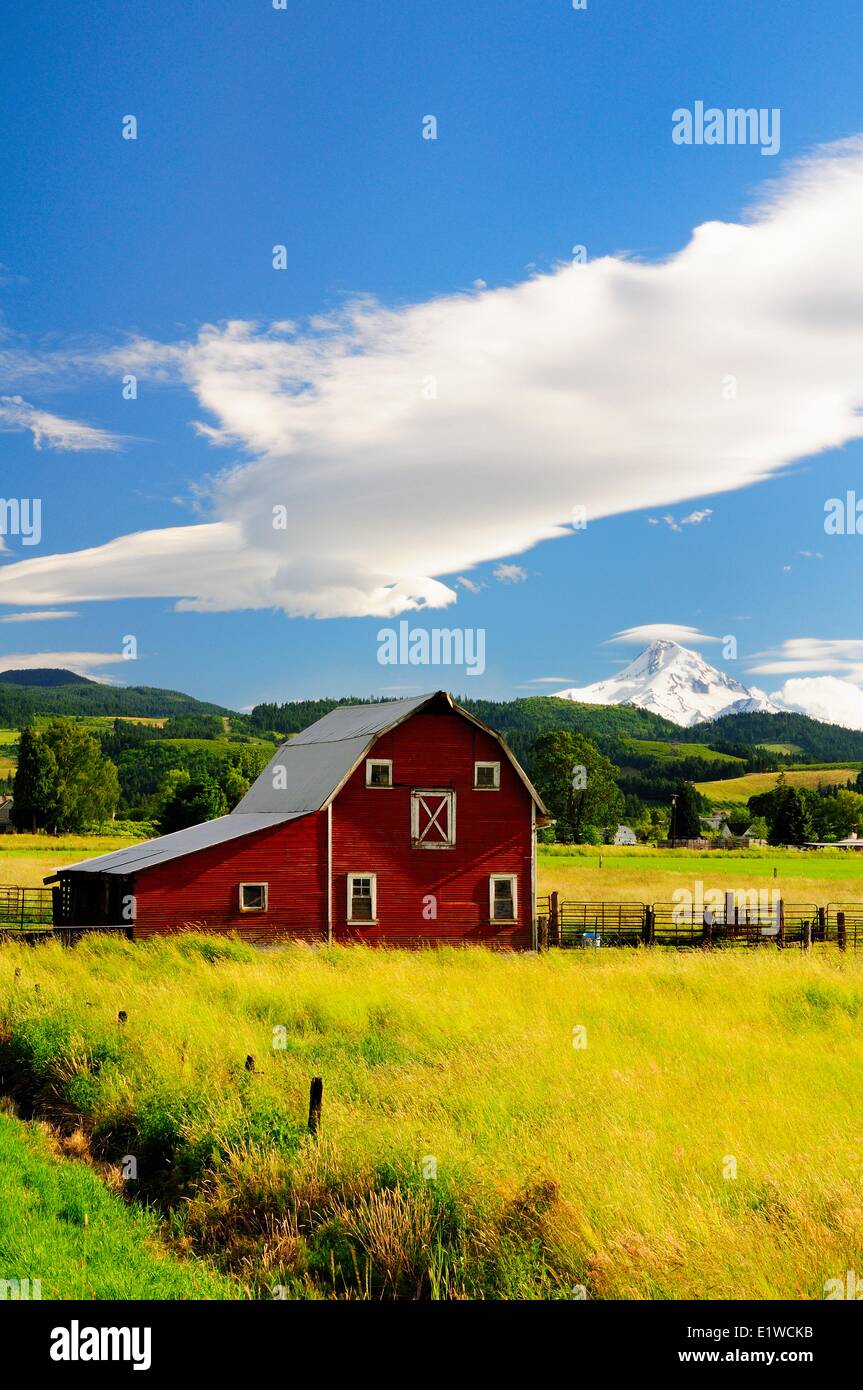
column 643, row 874
column 25, row 860
column 60, row 1224
column 702, row 1143
column 665, row 751
column 736, row 791
column 8, row 751
column 639, row 874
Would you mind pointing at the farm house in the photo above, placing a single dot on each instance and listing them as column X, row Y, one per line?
column 398, row 823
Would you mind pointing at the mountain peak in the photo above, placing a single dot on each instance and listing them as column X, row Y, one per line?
column 674, row 682
column 43, row 676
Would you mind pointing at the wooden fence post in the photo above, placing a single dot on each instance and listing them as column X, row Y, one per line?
column 840, row 930
column 554, row 919
column 707, row 929
column 780, row 940
column 730, row 913
column 807, row 936
column 822, row 923
column 316, row 1097
column 649, row 930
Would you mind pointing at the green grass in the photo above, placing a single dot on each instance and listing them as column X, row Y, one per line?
column 60, row 1224
column 26, row 860
column 735, row 791
column 8, row 751
column 468, row 1149
column 672, row 752
column 644, row 874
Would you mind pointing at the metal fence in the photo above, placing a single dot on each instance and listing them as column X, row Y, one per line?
column 22, row 908
column 568, row 924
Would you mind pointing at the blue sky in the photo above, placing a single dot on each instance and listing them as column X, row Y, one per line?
column 259, row 127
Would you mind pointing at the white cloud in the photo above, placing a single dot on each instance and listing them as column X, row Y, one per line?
column 599, row 383
column 660, row 632
column 509, row 574
column 469, row 584
column 801, row 654
column 677, row 523
column 52, row 431
column 824, row 697
column 38, row 616
column 82, row 663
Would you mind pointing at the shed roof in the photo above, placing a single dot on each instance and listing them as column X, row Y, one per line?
column 148, row 853
column 316, row 764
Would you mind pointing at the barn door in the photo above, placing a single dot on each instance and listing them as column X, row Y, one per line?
column 433, row 819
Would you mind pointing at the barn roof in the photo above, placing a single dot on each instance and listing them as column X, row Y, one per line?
column 316, row 764
column 319, row 760
column 150, row 852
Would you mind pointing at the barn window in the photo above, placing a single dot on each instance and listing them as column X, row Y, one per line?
column 362, row 897
column 433, row 819
column 486, row 776
column 379, row 772
column 503, row 897
column 253, row 897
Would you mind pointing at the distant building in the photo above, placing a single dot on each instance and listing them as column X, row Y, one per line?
column 854, row 841
column 716, row 821
column 6, row 825
column 624, row 836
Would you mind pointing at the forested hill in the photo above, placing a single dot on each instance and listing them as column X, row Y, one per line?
column 521, row 721
column 24, row 694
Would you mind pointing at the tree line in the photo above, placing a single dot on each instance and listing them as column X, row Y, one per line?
column 66, row 782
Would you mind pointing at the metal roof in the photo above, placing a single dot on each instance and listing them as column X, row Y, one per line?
column 302, row 777
column 319, row 760
column 150, row 852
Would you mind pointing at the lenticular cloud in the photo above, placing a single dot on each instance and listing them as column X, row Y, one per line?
column 386, row 447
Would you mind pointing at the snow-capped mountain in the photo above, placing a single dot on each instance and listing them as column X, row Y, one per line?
column 678, row 684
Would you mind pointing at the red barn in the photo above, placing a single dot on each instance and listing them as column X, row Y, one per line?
column 399, row 823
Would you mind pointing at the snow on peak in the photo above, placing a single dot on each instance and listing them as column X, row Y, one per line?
column 676, row 683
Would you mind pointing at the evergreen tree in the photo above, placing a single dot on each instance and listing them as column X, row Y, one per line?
column 685, row 819
column 34, row 790
column 789, row 823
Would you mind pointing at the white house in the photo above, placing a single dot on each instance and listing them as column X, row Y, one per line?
column 624, row 836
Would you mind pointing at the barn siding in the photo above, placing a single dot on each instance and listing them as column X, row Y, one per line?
column 202, row 889
column 372, row 831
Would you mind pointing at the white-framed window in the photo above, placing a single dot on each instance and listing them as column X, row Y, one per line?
column 503, row 897
column 253, row 897
column 486, row 777
column 432, row 819
column 379, row 772
column 362, row 897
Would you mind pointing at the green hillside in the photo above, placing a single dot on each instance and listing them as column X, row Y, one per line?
column 812, row 739
column 63, row 693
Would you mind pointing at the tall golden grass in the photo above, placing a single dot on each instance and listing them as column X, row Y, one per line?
column 705, row 1143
